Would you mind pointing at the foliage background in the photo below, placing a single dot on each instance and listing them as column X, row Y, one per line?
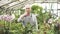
column 17, row 28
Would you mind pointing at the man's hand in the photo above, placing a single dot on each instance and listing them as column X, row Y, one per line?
column 21, row 17
column 24, row 15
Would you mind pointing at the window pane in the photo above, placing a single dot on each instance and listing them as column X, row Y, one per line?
column 54, row 6
column 48, row 5
column 51, row 0
column 58, row 12
column 55, row 11
column 58, row 6
column 43, row 5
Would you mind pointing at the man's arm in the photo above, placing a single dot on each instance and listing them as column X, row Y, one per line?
column 21, row 17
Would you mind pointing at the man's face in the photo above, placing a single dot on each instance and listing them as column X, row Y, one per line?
column 28, row 9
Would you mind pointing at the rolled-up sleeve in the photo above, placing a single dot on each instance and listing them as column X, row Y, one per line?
column 20, row 19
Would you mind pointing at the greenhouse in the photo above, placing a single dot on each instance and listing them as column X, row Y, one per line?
column 29, row 16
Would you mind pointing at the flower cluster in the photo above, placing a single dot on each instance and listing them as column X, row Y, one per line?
column 7, row 17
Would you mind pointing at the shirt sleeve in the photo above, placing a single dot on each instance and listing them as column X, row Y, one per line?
column 35, row 21
column 20, row 19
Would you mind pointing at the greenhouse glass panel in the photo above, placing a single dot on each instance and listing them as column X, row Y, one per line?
column 59, row 13
column 43, row 5
column 48, row 5
column 51, row 0
column 58, row 6
column 39, row 0
column 58, row 0
column 55, row 11
column 54, row 5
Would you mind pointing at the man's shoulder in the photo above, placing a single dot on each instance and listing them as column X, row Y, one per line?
column 34, row 14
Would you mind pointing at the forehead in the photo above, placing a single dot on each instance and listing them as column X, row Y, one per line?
column 27, row 6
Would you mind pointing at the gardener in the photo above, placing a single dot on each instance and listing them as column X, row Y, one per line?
column 27, row 17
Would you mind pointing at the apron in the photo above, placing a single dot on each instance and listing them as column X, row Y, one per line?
column 28, row 19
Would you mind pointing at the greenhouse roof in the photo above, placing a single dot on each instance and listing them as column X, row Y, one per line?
column 16, row 4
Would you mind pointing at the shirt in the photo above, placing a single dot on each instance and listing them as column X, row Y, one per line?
column 29, row 19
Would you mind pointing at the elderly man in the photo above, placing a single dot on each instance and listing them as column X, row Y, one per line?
column 27, row 17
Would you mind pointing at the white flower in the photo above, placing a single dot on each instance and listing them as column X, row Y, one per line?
column 50, row 21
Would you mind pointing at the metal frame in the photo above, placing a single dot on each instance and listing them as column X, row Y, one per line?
column 34, row 1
